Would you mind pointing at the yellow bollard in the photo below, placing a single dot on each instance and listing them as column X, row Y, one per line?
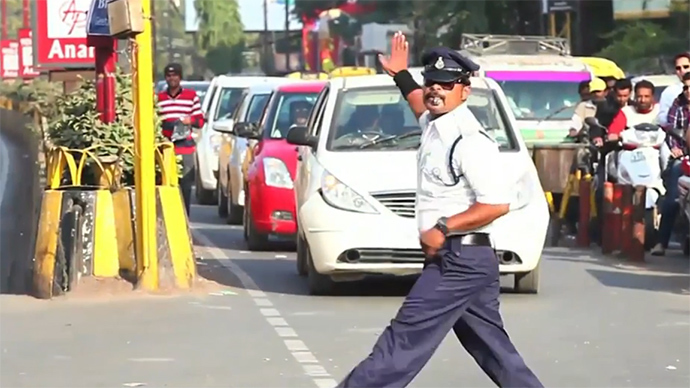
column 144, row 158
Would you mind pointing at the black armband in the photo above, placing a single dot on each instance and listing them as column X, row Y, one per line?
column 403, row 79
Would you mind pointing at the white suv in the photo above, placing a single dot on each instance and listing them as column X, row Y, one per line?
column 355, row 196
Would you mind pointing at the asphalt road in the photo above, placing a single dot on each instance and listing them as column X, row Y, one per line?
column 596, row 323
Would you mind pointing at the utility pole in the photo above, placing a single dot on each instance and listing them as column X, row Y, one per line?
column 144, row 159
column 154, row 38
column 264, row 38
column 26, row 12
column 287, row 37
column 3, row 10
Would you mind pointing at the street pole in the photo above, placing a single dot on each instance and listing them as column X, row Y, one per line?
column 154, row 37
column 106, row 60
column 264, row 56
column 3, row 10
column 26, row 8
column 287, row 36
column 144, row 159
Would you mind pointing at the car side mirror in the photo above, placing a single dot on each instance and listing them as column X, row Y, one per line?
column 247, row 130
column 299, row 135
column 223, row 126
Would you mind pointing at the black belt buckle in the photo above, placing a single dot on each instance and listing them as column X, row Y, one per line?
column 473, row 239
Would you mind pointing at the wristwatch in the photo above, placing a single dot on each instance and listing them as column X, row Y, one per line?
column 442, row 225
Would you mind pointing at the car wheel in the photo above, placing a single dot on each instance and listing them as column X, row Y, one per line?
column 235, row 213
column 255, row 241
column 203, row 196
column 222, row 202
column 528, row 282
column 318, row 284
column 302, row 256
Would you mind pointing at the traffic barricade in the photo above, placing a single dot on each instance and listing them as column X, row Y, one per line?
column 624, row 221
column 89, row 230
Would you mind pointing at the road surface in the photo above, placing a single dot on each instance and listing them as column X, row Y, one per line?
column 595, row 324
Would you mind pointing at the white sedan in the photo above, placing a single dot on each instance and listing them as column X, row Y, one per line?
column 355, row 197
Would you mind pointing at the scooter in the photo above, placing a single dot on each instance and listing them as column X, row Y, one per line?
column 637, row 163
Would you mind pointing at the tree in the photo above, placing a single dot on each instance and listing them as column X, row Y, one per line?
column 15, row 18
column 220, row 39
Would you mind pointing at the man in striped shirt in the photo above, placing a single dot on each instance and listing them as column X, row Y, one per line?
column 179, row 104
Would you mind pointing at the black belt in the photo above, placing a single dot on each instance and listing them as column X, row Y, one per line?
column 475, row 239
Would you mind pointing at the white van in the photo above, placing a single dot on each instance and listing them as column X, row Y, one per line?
column 538, row 76
column 355, row 204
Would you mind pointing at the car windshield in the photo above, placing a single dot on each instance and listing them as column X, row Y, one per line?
column 290, row 109
column 227, row 102
column 538, row 100
column 379, row 118
column 256, row 107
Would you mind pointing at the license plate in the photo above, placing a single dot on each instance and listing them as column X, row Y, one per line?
column 637, row 156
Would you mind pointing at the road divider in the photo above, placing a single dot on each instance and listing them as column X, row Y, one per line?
column 89, row 230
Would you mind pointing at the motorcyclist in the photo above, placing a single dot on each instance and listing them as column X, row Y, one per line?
column 587, row 108
column 645, row 110
column 678, row 118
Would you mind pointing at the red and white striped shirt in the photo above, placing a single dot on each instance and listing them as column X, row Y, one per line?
column 172, row 108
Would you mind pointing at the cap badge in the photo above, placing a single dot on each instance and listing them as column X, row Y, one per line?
column 439, row 63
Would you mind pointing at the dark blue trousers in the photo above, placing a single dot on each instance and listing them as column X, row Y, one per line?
column 457, row 290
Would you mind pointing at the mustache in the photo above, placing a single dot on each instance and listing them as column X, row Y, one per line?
column 431, row 94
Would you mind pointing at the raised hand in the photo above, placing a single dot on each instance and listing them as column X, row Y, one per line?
column 397, row 60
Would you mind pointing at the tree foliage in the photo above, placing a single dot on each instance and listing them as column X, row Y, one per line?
column 74, row 123
column 219, row 24
column 220, row 39
column 642, row 47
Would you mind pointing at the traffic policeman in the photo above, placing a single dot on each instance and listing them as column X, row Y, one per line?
column 461, row 189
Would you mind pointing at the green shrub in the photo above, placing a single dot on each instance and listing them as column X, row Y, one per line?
column 73, row 122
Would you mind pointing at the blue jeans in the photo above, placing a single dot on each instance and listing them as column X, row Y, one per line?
column 670, row 206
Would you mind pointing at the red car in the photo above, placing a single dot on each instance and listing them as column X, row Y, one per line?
column 269, row 198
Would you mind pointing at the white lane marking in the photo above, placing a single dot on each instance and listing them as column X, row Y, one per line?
column 263, row 302
column 298, row 349
column 4, row 168
column 285, row 331
column 277, row 321
column 151, row 359
column 305, row 357
column 295, row 345
column 270, row 312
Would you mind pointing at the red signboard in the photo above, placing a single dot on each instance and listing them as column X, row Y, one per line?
column 9, row 60
column 26, row 55
column 59, row 34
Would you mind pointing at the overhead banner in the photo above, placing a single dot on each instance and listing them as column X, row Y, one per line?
column 26, row 54
column 641, row 9
column 9, row 59
column 59, row 34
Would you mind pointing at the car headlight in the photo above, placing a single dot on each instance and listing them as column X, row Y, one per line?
column 215, row 141
column 341, row 196
column 276, row 173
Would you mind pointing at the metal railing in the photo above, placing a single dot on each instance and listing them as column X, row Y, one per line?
column 108, row 169
column 484, row 44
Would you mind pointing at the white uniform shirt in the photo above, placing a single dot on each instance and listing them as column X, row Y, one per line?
column 667, row 97
column 476, row 157
column 633, row 117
